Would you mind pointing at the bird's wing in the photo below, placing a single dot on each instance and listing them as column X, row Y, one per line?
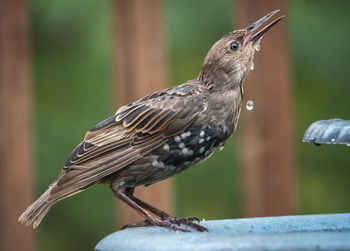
column 134, row 131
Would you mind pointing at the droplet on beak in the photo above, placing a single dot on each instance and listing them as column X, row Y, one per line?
column 257, row 46
column 250, row 105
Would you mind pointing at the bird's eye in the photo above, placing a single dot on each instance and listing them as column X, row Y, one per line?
column 234, row 46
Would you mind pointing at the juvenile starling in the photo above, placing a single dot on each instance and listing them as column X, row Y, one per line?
column 161, row 134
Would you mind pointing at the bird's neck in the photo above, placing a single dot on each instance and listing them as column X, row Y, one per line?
column 217, row 79
column 225, row 107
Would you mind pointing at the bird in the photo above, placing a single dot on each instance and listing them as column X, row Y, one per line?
column 162, row 134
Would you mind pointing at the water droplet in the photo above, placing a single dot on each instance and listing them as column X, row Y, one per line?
column 347, row 144
column 249, row 105
column 333, row 140
column 257, row 46
column 252, row 66
column 221, row 148
column 203, row 219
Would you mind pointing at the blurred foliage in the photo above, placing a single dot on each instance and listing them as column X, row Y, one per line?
column 72, row 43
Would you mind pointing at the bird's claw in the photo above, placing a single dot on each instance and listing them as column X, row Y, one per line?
column 181, row 220
column 155, row 222
column 186, row 221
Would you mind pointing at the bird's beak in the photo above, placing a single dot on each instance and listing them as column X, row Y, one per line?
column 249, row 37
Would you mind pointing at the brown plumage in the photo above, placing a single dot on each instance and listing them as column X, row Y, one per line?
column 162, row 134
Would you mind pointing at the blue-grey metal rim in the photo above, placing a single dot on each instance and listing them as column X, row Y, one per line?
column 331, row 131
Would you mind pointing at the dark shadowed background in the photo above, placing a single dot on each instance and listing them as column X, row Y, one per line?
column 72, row 80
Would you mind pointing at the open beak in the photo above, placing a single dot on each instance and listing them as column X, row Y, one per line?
column 249, row 37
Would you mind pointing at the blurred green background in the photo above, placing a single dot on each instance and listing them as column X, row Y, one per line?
column 72, row 65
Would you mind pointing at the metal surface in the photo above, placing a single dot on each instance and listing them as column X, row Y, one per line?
column 332, row 131
column 307, row 232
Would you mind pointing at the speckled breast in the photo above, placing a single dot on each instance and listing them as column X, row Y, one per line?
column 192, row 146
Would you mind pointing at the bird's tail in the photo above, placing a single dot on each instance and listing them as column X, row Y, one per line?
column 65, row 186
column 36, row 211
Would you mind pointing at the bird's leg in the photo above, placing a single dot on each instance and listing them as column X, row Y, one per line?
column 167, row 217
column 130, row 193
column 150, row 219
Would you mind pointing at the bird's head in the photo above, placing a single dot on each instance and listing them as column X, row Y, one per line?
column 229, row 59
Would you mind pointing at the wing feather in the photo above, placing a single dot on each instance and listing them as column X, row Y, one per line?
column 134, row 131
column 78, row 177
column 135, row 115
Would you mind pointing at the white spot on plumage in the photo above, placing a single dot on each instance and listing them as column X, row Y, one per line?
column 208, row 138
column 157, row 163
column 202, row 149
column 154, row 163
column 177, row 139
column 202, row 133
column 185, row 150
column 184, row 135
column 201, row 140
column 181, row 145
column 166, row 147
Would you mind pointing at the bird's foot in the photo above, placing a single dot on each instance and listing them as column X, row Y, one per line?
column 156, row 222
column 189, row 221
